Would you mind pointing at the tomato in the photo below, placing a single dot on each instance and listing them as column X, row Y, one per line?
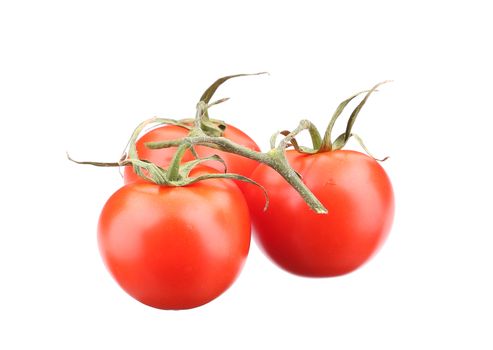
column 358, row 195
column 162, row 157
column 175, row 247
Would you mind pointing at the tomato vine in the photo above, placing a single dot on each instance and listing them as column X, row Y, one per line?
column 206, row 132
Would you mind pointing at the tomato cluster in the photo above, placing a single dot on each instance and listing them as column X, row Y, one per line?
column 177, row 234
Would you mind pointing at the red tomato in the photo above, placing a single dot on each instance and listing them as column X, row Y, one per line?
column 175, row 247
column 358, row 195
column 162, row 157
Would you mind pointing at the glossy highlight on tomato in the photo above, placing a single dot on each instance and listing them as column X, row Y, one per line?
column 358, row 195
column 175, row 247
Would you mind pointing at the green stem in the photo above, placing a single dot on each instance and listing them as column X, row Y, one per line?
column 173, row 173
column 280, row 164
column 276, row 159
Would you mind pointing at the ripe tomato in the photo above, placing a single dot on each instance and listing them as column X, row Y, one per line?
column 358, row 195
column 175, row 247
column 162, row 157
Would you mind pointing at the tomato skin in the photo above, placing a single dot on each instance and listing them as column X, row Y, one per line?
column 358, row 195
column 175, row 247
column 162, row 157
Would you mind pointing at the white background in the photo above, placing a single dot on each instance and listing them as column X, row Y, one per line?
column 78, row 76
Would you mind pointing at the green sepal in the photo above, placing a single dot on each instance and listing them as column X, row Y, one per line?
column 207, row 95
column 340, row 142
column 215, row 129
column 327, row 144
column 356, row 111
column 191, row 180
column 154, row 174
column 362, row 144
column 187, row 167
column 290, row 138
column 297, row 147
